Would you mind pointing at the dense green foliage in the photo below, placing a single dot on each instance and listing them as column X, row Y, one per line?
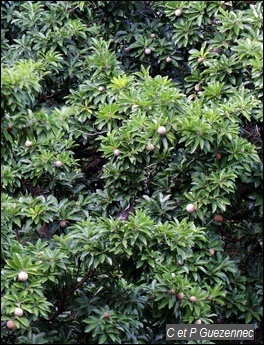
column 94, row 195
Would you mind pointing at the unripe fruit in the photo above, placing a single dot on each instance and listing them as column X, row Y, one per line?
column 218, row 156
column 10, row 324
column 198, row 322
column 63, row 223
column 180, row 295
column 200, row 59
column 180, row 263
column 28, row 143
column 190, row 208
column 101, row 88
column 147, row 51
column 152, row 35
column 116, row 152
column 18, row 312
column 22, row 276
column 178, row 12
column 168, row 59
column 58, row 164
column 211, row 251
column 173, row 275
column 218, row 218
column 193, row 299
column 162, row 130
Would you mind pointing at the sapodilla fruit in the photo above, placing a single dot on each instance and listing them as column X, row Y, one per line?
column 190, row 208
column 178, row 12
column 116, row 152
column 198, row 322
column 150, row 147
column 18, row 312
column 218, row 218
column 198, row 87
column 211, row 251
column 22, row 276
column 63, row 223
column 147, row 51
column 11, row 324
column 180, row 295
column 58, row 164
column 218, row 156
column 106, row 315
column 162, row 130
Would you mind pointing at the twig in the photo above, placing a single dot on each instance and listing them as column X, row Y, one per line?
column 61, row 304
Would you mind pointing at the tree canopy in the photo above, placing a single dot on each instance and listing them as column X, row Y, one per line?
column 132, row 169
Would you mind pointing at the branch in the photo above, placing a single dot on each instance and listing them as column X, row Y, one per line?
column 65, row 294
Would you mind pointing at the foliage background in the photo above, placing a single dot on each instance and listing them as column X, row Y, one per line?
column 76, row 81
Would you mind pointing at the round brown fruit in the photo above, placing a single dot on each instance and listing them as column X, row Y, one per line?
column 63, row 223
column 22, row 276
column 193, row 299
column 152, row 35
column 10, row 324
column 200, row 59
column 101, row 89
column 147, row 51
column 180, row 295
column 218, row 218
column 168, row 59
column 18, row 312
column 218, row 156
column 162, row 130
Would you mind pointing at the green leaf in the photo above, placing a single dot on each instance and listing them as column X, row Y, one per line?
column 102, row 339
